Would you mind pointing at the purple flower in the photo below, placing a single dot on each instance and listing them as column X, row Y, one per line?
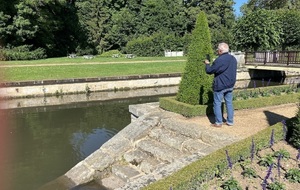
column 298, row 155
column 272, row 138
column 265, row 181
column 228, row 160
column 278, row 164
column 252, row 150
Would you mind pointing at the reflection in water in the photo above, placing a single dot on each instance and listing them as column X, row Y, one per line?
column 84, row 144
column 47, row 144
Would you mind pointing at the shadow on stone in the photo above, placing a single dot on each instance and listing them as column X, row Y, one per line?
column 274, row 118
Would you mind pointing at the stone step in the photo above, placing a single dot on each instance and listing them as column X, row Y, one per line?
column 178, row 141
column 169, row 138
column 196, row 131
column 112, row 182
column 159, row 150
column 125, row 172
column 141, row 159
column 185, row 128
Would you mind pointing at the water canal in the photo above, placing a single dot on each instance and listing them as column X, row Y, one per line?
column 48, row 141
column 46, row 144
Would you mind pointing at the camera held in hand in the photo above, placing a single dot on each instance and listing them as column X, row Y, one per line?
column 208, row 57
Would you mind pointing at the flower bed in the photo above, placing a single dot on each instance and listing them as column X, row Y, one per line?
column 260, row 173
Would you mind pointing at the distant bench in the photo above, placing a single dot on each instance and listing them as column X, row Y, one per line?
column 72, row 55
column 115, row 56
column 129, row 56
column 88, row 56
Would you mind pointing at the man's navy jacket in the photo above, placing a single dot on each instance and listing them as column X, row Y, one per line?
column 224, row 69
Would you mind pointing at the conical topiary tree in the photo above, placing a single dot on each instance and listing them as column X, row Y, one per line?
column 196, row 86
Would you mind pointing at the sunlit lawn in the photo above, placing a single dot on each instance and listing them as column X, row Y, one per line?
column 80, row 59
column 120, row 67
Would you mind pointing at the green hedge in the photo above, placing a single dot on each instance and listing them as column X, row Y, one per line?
column 155, row 45
column 214, row 164
column 187, row 110
column 24, row 52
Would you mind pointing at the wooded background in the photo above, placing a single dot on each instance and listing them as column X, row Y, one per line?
column 34, row 29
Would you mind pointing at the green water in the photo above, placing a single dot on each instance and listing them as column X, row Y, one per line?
column 47, row 143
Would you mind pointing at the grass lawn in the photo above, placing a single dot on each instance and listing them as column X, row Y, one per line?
column 65, row 68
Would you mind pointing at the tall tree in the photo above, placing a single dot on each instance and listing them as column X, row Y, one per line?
column 195, row 85
column 7, row 11
column 290, row 22
column 40, row 24
column 24, row 22
column 252, row 5
column 260, row 29
column 220, row 17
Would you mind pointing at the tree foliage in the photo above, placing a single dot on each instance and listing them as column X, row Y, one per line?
column 260, row 29
column 195, row 86
column 253, row 5
column 290, row 22
column 95, row 26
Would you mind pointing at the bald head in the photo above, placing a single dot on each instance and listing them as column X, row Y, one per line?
column 223, row 48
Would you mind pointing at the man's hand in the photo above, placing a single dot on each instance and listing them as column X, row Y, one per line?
column 206, row 61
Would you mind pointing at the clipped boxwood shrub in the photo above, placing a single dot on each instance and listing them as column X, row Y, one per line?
column 294, row 131
column 188, row 110
column 215, row 164
column 195, row 85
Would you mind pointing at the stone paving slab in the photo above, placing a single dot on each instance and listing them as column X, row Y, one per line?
column 160, row 150
column 182, row 127
column 171, row 139
column 124, row 172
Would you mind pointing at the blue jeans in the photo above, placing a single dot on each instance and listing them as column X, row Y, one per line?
column 218, row 98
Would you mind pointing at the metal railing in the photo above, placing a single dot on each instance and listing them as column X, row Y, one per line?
column 289, row 58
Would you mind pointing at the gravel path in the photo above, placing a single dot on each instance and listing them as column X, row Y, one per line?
column 250, row 121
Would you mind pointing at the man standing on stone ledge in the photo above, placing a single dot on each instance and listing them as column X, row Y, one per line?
column 224, row 69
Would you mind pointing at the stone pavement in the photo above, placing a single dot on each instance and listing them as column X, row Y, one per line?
column 158, row 143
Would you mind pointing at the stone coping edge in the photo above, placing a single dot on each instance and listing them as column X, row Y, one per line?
column 92, row 79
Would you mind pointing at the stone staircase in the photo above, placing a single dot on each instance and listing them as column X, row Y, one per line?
column 152, row 147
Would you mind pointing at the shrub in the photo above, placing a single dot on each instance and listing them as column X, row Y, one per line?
column 110, row 53
column 283, row 153
column 294, row 139
column 195, row 85
column 171, row 104
column 24, row 52
column 231, row 184
column 266, row 161
column 276, row 185
column 249, row 172
column 154, row 45
column 293, row 175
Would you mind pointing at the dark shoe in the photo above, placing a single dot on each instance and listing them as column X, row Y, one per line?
column 216, row 125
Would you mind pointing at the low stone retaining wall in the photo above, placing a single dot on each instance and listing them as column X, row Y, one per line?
column 85, row 86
